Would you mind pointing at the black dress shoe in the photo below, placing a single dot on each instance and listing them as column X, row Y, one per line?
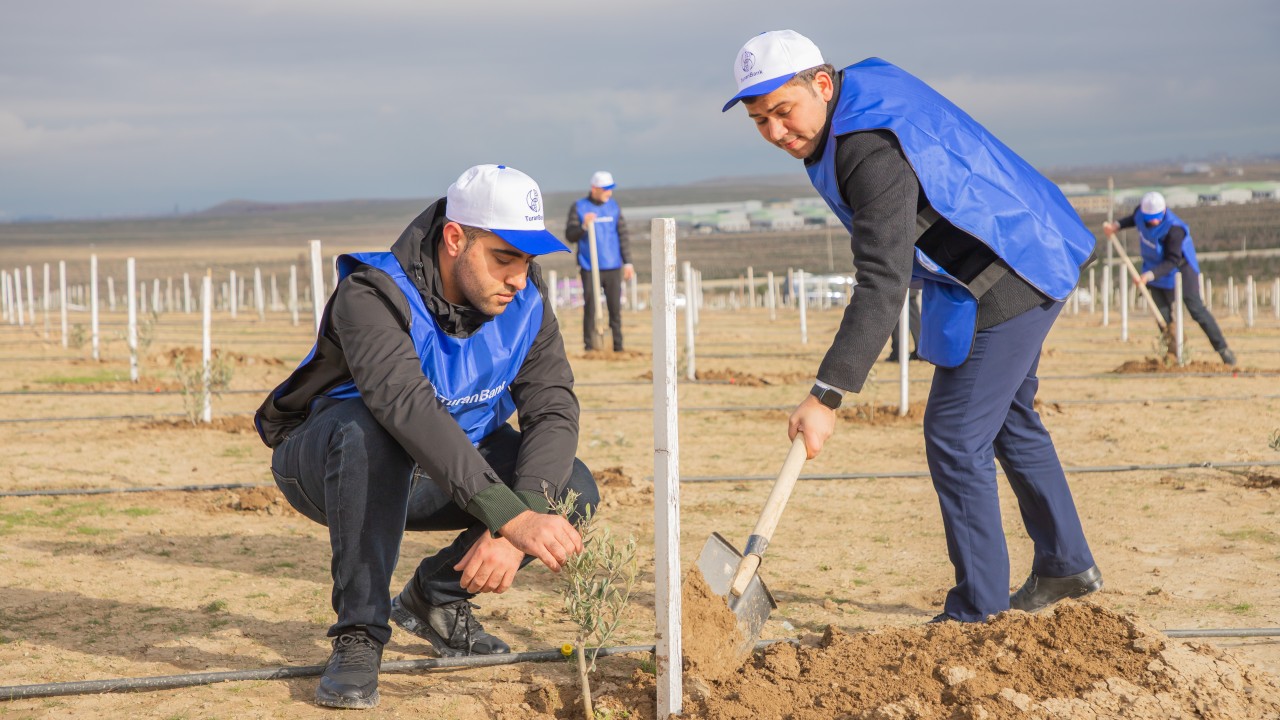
column 1038, row 593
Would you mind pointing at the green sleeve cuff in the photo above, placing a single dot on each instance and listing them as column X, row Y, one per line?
column 495, row 506
column 535, row 501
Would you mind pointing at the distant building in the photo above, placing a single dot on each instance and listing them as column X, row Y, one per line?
column 1093, row 203
column 1197, row 169
column 1235, row 196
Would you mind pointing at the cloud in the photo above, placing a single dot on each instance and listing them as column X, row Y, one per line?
column 18, row 138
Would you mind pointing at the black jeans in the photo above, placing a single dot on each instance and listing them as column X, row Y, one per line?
column 1164, row 300
column 343, row 470
column 611, row 285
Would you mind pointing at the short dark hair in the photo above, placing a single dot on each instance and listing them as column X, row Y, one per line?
column 804, row 77
column 472, row 234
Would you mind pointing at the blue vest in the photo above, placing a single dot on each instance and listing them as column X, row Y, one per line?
column 471, row 375
column 971, row 179
column 608, row 251
column 1153, row 246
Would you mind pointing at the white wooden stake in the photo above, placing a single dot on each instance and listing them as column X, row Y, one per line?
column 132, row 336
column 111, row 294
column 259, row 299
column 668, row 653
column 45, row 303
column 597, row 297
column 772, row 299
column 803, row 299
column 904, row 356
column 1124, row 308
column 274, row 304
column 169, row 304
column 1249, row 301
column 17, row 297
column 186, row 293
column 234, row 295
column 4, row 297
column 1275, row 298
column 1093, row 292
column 1231, row 295
column 62, row 298
column 317, row 283
column 691, row 367
column 1208, row 293
column 751, row 287
column 31, row 297
column 293, row 293
column 206, row 347
column 93, row 303
column 1177, row 318
column 156, row 306
column 635, row 291
column 1106, row 294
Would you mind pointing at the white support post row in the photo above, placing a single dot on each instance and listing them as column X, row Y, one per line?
column 93, row 303
column 132, row 333
column 772, row 299
column 1177, row 316
column 904, row 357
column 317, row 283
column 668, row 653
column 206, row 347
column 803, row 299
column 293, row 293
column 1124, row 307
column 62, row 298
column 690, row 304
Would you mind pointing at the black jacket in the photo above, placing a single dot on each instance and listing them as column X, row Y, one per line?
column 364, row 336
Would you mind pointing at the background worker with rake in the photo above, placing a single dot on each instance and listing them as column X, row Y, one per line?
column 1167, row 248
column 931, row 198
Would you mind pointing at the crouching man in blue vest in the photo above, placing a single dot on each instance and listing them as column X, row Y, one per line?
column 933, row 201
column 397, row 420
column 1167, row 249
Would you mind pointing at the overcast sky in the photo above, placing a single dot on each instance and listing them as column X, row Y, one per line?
column 130, row 106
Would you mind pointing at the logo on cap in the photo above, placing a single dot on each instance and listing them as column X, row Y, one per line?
column 533, row 200
column 748, row 60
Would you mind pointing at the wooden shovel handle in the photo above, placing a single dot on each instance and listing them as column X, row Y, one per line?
column 770, row 516
column 1142, row 288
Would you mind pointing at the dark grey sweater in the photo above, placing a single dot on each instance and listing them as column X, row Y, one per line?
column 880, row 186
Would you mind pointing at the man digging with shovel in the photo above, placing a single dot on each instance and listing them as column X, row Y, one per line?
column 934, row 201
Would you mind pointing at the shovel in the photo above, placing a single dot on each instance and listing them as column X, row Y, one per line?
column 733, row 575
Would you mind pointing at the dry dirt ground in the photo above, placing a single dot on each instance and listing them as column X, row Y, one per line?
column 160, row 583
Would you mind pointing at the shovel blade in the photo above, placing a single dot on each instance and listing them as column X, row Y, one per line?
column 718, row 563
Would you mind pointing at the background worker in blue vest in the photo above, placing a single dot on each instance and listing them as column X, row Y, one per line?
column 397, row 420
column 613, row 250
column 927, row 193
column 1166, row 249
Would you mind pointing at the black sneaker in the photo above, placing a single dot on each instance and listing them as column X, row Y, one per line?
column 350, row 677
column 1038, row 593
column 450, row 628
column 1228, row 357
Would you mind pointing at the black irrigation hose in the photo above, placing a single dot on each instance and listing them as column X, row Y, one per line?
column 1208, row 464
column 904, row 474
column 165, row 682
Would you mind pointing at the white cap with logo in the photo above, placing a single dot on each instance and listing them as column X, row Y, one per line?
column 769, row 60
column 1152, row 206
column 507, row 203
column 602, row 179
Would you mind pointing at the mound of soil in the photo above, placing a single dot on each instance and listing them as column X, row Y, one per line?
column 258, row 500
column 731, row 377
column 1079, row 661
column 619, row 488
column 1156, row 365
column 711, row 634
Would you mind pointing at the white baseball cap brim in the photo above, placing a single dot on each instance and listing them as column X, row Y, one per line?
column 769, row 60
column 507, row 203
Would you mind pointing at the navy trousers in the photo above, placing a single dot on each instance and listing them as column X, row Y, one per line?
column 343, row 470
column 981, row 412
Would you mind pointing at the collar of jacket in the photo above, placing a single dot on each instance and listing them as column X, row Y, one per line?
column 826, row 128
column 417, row 250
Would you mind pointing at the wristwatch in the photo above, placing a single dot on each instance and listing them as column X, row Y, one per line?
column 827, row 396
